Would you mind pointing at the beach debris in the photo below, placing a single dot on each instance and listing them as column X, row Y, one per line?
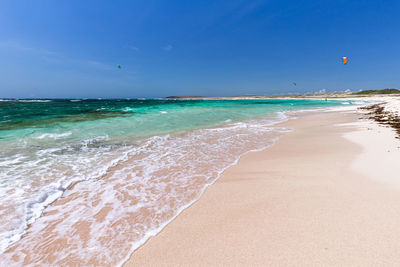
column 378, row 114
column 344, row 60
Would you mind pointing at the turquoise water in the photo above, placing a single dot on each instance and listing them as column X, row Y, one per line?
column 127, row 155
column 24, row 118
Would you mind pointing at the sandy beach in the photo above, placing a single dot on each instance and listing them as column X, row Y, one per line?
column 326, row 194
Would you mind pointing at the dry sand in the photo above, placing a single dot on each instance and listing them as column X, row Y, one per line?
column 322, row 196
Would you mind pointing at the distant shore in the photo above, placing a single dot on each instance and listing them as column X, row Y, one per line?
column 337, row 95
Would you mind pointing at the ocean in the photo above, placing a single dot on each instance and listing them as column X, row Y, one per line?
column 87, row 182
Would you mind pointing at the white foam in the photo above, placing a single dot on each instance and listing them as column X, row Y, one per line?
column 34, row 100
column 50, row 172
column 54, row 135
column 183, row 165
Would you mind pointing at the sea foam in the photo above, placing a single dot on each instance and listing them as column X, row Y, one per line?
column 160, row 177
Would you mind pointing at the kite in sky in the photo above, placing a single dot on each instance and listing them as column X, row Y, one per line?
column 344, row 60
column 119, row 66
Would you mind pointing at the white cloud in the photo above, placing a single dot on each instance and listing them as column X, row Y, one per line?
column 132, row 47
column 95, row 64
column 168, row 47
column 9, row 44
column 14, row 45
column 58, row 58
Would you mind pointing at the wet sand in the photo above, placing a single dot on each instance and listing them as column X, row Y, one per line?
column 324, row 195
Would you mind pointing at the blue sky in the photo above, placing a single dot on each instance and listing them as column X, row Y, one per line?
column 209, row 48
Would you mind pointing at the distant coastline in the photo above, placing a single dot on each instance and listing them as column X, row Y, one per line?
column 363, row 93
column 334, row 95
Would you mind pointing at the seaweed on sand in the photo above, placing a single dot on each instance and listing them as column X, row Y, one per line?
column 378, row 114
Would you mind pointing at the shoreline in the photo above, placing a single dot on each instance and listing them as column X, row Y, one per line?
column 345, row 130
column 157, row 231
column 198, row 240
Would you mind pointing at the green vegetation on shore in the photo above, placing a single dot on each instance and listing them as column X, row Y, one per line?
column 378, row 92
